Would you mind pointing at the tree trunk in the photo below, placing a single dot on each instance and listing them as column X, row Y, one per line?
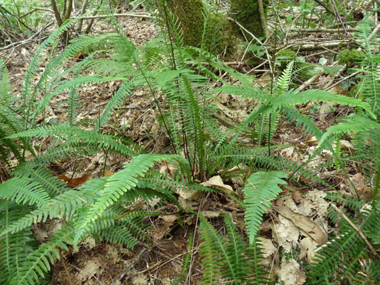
column 246, row 13
column 222, row 34
column 190, row 15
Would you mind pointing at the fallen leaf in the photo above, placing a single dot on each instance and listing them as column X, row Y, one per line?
column 297, row 197
column 307, row 246
column 88, row 271
column 310, row 228
column 75, row 181
column 291, row 274
column 285, row 233
column 217, row 183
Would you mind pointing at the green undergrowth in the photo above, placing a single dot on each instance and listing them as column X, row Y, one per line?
column 180, row 88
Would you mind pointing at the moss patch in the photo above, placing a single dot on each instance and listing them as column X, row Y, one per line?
column 350, row 56
column 190, row 15
column 246, row 12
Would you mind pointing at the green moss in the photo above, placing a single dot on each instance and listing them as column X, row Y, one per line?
column 285, row 56
column 350, row 56
column 246, row 12
column 220, row 35
column 190, row 15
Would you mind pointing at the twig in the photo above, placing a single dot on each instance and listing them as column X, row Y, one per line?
column 36, row 9
column 118, row 15
column 355, row 228
column 374, row 32
column 321, row 30
column 343, row 79
column 28, row 40
column 341, row 22
column 253, row 36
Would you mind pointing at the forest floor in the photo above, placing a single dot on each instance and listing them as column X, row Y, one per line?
column 298, row 210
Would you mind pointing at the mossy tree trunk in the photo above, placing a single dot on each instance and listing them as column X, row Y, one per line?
column 246, row 13
column 190, row 14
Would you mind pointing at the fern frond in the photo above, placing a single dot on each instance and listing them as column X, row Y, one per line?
column 292, row 114
column 13, row 247
column 357, row 124
column 289, row 166
column 211, row 260
column 121, row 182
column 24, row 190
column 261, row 188
column 283, row 80
column 40, row 261
column 116, row 101
column 62, row 205
column 51, row 184
column 77, row 135
column 5, row 87
column 292, row 97
column 237, row 251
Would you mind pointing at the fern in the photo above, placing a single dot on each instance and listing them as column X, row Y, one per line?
column 39, row 260
column 229, row 258
column 261, row 188
column 331, row 259
column 24, row 190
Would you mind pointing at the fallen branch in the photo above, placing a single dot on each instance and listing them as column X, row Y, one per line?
column 27, row 40
column 146, row 16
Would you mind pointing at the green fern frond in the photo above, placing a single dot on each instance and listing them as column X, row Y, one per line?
column 329, row 260
column 284, row 79
column 237, row 251
column 292, row 97
column 289, row 166
column 352, row 202
column 292, row 114
column 13, row 247
column 24, row 190
column 51, row 184
column 63, row 205
column 121, row 182
column 357, row 124
column 121, row 234
column 40, row 261
column 5, row 87
column 116, row 101
column 67, row 150
column 77, row 135
column 211, row 260
column 261, row 188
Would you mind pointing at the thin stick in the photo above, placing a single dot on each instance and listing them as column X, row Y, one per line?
column 355, row 228
column 27, row 40
column 253, row 36
column 118, row 15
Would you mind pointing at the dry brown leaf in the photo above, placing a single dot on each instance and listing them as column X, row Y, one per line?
column 297, row 197
column 108, row 173
column 307, row 246
column 75, row 181
column 291, row 274
column 285, row 233
column 217, row 182
column 89, row 270
column 304, row 223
